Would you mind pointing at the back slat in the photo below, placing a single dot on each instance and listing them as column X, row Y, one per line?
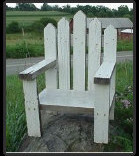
column 64, row 54
column 79, row 41
column 50, row 52
column 94, row 51
column 110, row 44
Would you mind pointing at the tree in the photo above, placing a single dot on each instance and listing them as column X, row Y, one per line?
column 9, row 8
column 123, row 10
column 13, row 27
column 46, row 7
column 26, row 7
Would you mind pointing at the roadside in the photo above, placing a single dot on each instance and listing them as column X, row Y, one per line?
column 14, row 66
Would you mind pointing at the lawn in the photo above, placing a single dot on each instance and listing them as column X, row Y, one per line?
column 28, row 17
column 120, row 140
column 18, row 46
column 33, row 44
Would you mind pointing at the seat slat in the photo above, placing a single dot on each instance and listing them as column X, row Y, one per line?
column 69, row 100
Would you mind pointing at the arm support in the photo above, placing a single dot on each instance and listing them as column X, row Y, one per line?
column 35, row 70
column 104, row 73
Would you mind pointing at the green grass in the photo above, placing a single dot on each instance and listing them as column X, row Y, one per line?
column 15, row 113
column 125, row 45
column 28, row 17
column 120, row 140
column 17, row 47
column 33, row 43
column 34, row 13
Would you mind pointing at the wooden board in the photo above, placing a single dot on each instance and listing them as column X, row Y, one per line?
column 94, row 51
column 112, row 86
column 35, row 70
column 64, row 54
column 32, row 108
column 104, row 73
column 110, row 44
column 79, row 43
column 101, row 113
column 70, row 100
column 50, row 52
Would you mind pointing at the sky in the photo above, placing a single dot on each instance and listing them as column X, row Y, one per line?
column 109, row 5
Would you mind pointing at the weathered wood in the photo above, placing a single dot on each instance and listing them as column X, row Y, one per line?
column 111, row 116
column 112, row 86
column 94, row 51
column 104, row 73
column 87, row 40
column 110, row 44
column 64, row 54
column 79, row 45
column 101, row 79
column 50, row 52
column 101, row 113
column 35, row 70
column 32, row 108
column 67, row 101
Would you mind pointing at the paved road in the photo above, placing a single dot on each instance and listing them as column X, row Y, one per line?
column 14, row 66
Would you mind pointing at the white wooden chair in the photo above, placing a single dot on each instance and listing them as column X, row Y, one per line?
column 99, row 96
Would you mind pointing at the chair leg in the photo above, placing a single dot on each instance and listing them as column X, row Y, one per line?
column 112, row 110
column 32, row 108
column 101, row 113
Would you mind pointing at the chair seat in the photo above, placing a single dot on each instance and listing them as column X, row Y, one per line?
column 67, row 100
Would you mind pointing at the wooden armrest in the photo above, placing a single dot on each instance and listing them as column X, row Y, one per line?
column 35, row 70
column 104, row 73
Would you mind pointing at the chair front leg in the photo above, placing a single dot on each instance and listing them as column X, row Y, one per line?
column 32, row 108
column 101, row 113
column 112, row 109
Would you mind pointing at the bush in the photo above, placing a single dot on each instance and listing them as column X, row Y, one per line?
column 23, row 50
column 45, row 21
column 13, row 27
column 37, row 26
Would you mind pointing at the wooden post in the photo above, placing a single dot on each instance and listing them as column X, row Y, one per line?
column 32, row 108
column 101, row 113
column 112, row 110
column 104, row 93
column 112, row 94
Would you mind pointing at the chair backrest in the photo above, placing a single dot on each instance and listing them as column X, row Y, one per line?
column 57, row 45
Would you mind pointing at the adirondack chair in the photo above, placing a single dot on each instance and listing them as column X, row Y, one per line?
column 58, row 95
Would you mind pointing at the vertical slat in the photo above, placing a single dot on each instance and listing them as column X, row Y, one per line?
column 112, row 86
column 101, row 113
column 64, row 54
column 79, row 45
column 32, row 108
column 110, row 44
column 50, row 52
column 94, row 51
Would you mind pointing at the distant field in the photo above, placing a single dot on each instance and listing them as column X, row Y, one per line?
column 17, row 45
column 28, row 17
